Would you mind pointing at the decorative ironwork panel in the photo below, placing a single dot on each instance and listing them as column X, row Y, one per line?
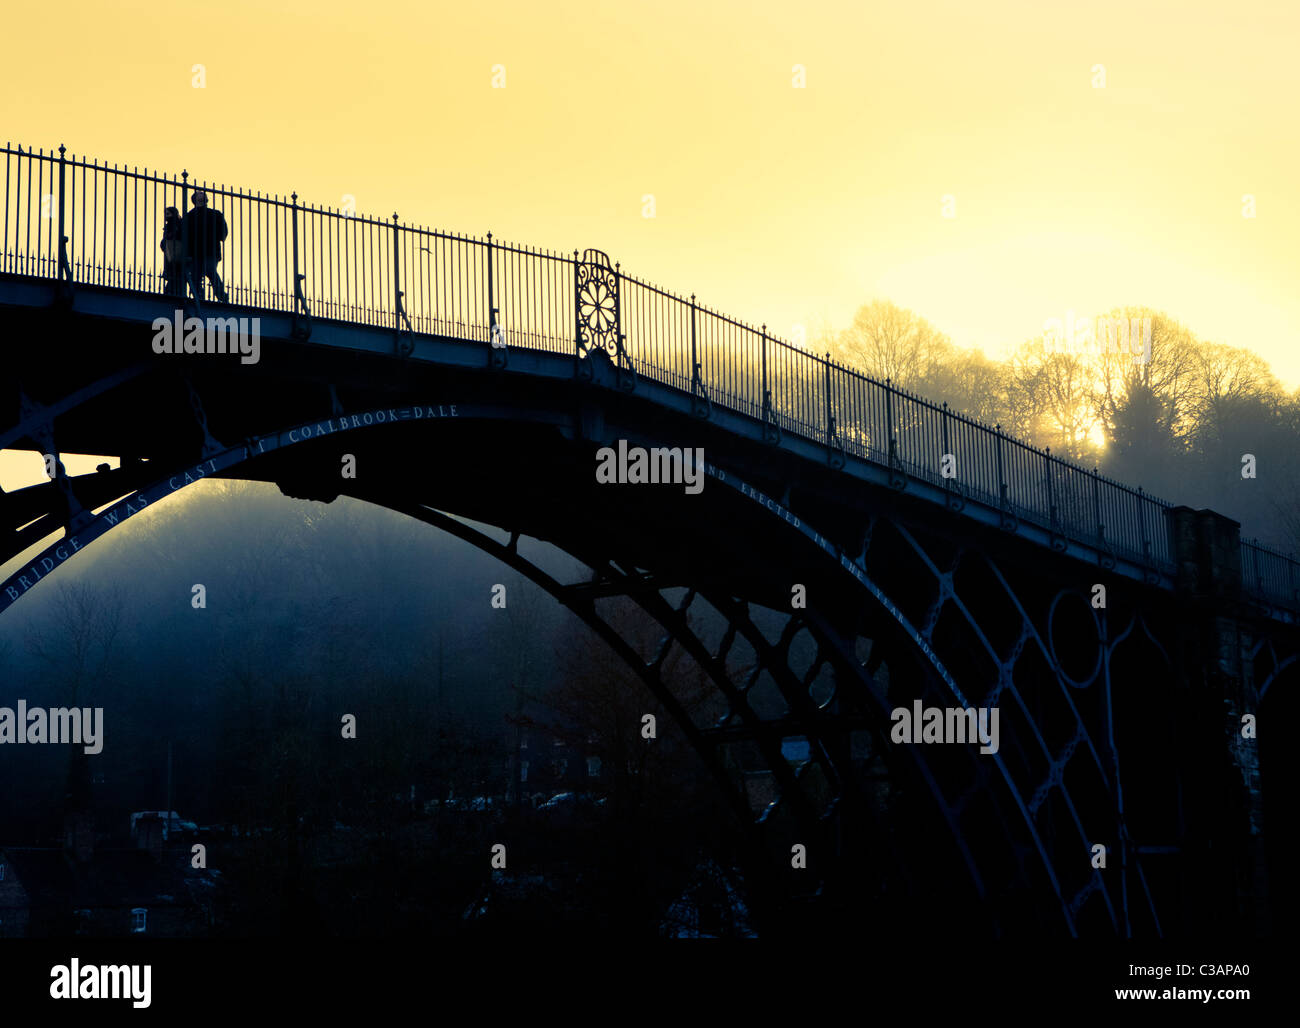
column 597, row 304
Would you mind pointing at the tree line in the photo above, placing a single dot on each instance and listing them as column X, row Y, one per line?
column 1176, row 415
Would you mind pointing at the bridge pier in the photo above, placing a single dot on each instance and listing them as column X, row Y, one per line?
column 1222, row 794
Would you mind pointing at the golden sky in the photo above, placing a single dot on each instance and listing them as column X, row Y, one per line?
column 774, row 204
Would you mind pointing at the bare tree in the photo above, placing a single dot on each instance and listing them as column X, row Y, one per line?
column 890, row 342
column 1225, row 377
column 1051, row 398
column 77, row 642
column 971, row 384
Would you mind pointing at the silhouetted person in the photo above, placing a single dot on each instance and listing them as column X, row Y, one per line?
column 173, row 255
column 205, row 231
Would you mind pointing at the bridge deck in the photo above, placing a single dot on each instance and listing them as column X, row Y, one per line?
column 94, row 233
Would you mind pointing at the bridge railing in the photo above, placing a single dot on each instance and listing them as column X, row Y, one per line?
column 1269, row 575
column 747, row 369
column 111, row 221
column 334, row 264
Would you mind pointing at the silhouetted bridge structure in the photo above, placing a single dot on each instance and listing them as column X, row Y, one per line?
column 474, row 380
